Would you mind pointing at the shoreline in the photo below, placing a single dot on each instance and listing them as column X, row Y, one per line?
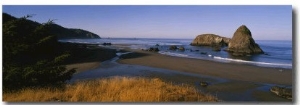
column 84, row 59
column 226, row 70
column 232, row 71
column 238, row 81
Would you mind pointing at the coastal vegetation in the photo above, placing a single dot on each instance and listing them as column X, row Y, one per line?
column 55, row 29
column 116, row 89
column 34, row 70
column 32, row 56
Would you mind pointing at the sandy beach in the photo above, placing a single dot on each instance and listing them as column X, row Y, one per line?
column 228, row 81
column 240, row 72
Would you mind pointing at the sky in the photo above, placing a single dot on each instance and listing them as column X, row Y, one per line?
column 272, row 22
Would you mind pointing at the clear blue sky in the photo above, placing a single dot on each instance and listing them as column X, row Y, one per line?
column 265, row 22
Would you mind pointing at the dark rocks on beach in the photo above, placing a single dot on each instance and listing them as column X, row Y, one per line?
column 181, row 48
column 204, row 53
column 282, row 92
column 153, row 49
column 157, row 45
column 203, row 84
column 242, row 43
column 106, row 44
column 173, row 47
column 210, row 40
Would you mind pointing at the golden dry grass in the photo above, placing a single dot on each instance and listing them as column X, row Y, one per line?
column 117, row 89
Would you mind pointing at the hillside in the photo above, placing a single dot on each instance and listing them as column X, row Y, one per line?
column 61, row 32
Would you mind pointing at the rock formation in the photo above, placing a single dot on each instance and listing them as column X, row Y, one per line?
column 181, row 48
column 152, row 49
column 204, row 84
column 210, row 40
column 242, row 43
column 173, row 47
column 282, row 92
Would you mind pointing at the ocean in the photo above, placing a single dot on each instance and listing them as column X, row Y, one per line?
column 278, row 53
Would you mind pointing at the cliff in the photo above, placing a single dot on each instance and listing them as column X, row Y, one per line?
column 59, row 31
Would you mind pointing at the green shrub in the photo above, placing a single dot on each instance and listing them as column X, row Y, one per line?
column 32, row 56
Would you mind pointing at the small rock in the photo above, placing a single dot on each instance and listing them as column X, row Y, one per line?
column 203, row 84
column 282, row 91
column 106, row 44
column 181, row 48
column 153, row 49
column 173, row 47
column 204, row 53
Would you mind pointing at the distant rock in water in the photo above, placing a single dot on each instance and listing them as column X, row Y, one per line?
column 242, row 43
column 210, row 40
column 181, row 48
column 173, row 47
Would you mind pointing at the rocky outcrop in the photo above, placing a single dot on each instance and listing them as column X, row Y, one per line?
column 210, row 40
column 204, row 84
column 282, row 92
column 242, row 43
column 181, row 48
column 152, row 49
column 173, row 47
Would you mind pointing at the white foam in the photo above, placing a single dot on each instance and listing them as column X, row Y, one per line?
column 173, row 54
column 253, row 62
column 119, row 54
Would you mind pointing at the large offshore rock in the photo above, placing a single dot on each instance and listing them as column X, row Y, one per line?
column 210, row 40
column 242, row 43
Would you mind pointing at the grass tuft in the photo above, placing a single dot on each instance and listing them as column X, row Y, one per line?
column 116, row 89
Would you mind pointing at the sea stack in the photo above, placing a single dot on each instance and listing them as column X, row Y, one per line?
column 242, row 43
column 210, row 40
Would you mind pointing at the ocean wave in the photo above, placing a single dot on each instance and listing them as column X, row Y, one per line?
column 119, row 53
column 253, row 62
column 173, row 54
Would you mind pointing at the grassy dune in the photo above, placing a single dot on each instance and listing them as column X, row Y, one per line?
column 117, row 89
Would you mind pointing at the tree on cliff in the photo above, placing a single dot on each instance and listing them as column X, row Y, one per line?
column 32, row 57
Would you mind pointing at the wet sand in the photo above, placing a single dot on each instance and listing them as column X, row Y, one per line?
column 240, row 72
column 89, row 58
column 229, row 82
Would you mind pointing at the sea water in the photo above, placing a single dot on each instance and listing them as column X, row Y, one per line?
column 278, row 53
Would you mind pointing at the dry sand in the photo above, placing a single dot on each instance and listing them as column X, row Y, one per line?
column 240, row 72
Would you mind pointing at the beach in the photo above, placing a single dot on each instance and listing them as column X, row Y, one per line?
column 227, row 81
column 88, row 58
column 232, row 71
